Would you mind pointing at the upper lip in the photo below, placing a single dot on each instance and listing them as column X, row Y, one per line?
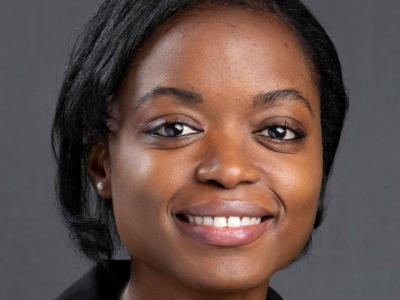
column 215, row 208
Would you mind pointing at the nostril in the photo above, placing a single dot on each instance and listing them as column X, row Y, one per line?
column 215, row 182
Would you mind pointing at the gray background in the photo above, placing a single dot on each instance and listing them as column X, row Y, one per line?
column 355, row 255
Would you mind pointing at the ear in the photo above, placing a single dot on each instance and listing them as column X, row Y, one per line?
column 99, row 169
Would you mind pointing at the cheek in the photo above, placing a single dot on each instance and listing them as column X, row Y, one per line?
column 298, row 185
column 300, row 193
column 143, row 181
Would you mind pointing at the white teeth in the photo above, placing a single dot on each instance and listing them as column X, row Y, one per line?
column 198, row 220
column 220, row 222
column 245, row 221
column 255, row 220
column 208, row 221
column 233, row 222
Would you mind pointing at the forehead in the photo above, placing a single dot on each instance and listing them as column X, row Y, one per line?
column 222, row 50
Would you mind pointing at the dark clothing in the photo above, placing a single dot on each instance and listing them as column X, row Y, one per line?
column 107, row 281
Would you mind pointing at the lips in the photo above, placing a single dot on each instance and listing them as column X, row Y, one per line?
column 230, row 234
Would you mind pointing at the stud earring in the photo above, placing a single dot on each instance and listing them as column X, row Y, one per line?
column 100, row 186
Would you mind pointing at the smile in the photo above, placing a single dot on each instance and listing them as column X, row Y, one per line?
column 223, row 223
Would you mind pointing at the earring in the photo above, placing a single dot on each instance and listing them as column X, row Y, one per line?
column 100, row 186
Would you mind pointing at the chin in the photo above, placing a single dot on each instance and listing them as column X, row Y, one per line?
column 227, row 278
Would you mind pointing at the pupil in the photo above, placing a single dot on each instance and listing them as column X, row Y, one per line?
column 278, row 132
column 174, row 129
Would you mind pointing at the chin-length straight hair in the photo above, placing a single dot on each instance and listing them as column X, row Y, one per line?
column 99, row 61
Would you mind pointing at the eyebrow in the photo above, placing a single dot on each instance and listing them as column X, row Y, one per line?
column 182, row 95
column 279, row 96
column 191, row 97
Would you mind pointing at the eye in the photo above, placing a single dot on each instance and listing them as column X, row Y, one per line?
column 171, row 129
column 282, row 133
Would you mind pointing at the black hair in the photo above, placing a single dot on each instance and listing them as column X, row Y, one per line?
column 98, row 63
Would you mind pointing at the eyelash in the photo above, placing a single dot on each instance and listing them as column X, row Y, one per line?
column 299, row 134
column 166, row 123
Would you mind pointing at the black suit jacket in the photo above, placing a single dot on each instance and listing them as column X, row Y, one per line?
column 105, row 282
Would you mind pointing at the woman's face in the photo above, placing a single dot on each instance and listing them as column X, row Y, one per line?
column 245, row 141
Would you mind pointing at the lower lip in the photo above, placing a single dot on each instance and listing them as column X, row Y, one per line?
column 226, row 237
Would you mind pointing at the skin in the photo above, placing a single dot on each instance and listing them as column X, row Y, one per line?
column 227, row 55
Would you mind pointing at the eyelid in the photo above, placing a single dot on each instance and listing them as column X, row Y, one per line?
column 297, row 137
column 276, row 121
column 165, row 122
column 284, row 123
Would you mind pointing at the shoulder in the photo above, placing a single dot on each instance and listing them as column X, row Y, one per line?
column 104, row 281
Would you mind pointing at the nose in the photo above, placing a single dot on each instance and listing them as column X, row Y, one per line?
column 228, row 164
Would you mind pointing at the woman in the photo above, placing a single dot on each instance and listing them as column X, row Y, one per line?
column 201, row 135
